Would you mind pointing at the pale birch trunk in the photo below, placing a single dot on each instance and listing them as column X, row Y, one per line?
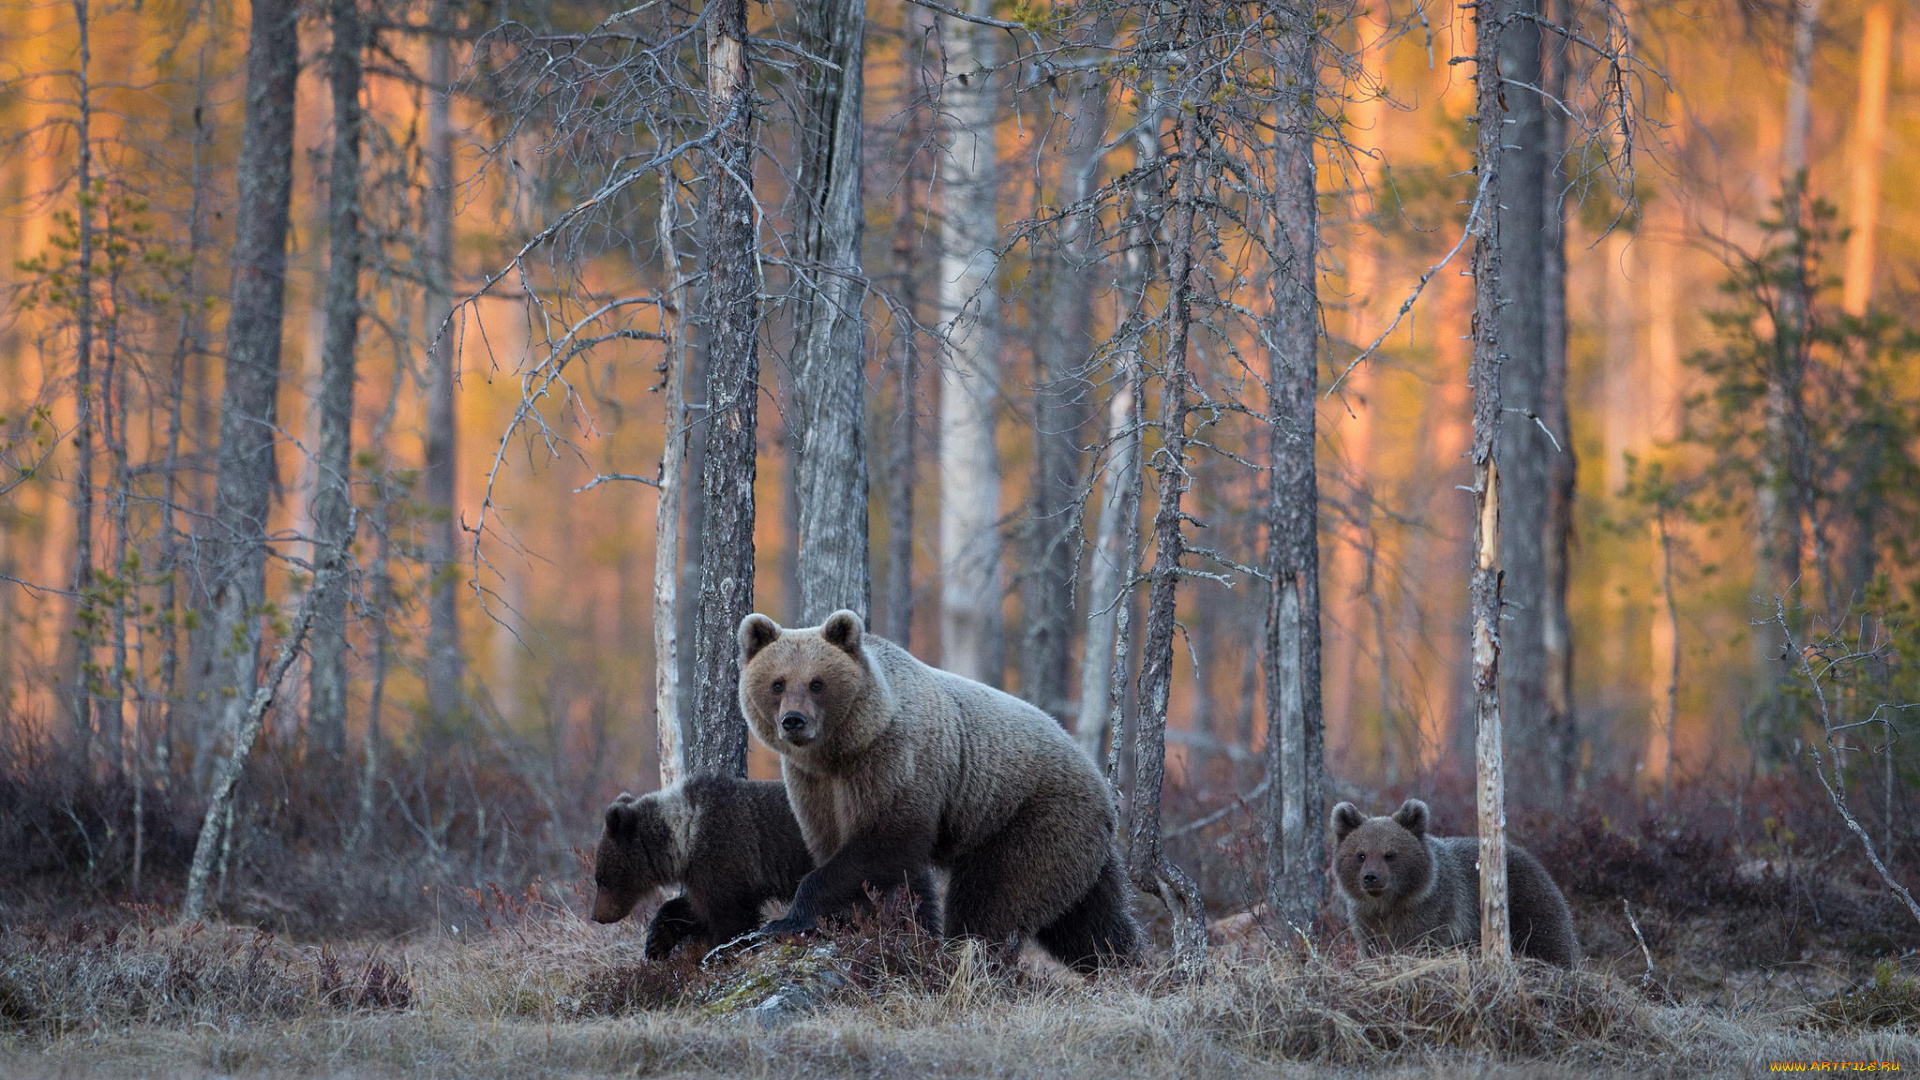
column 667, row 709
column 970, row 580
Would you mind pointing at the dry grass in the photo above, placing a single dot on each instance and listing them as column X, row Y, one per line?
column 554, row 996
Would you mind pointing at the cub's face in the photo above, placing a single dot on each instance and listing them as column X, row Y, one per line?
column 633, row 860
column 1381, row 858
column 798, row 687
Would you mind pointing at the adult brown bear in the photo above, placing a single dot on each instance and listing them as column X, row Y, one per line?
column 894, row 767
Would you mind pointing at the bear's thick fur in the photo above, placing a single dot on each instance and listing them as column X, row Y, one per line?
column 733, row 844
column 1405, row 889
column 894, row 767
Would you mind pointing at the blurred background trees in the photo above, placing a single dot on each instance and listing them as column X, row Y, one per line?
column 1115, row 354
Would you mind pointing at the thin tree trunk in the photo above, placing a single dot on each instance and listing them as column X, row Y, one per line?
column 1153, row 873
column 1671, row 680
column 445, row 697
column 730, row 323
column 970, row 582
column 1296, row 770
column 333, row 495
column 830, row 365
column 190, row 342
column 1869, row 143
column 1493, row 19
column 236, row 536
column 1526, row 453
column 1061, row 351
column 669, row 729
column 79, row 664
column 903, row 448
column 1560, row 736
column 220, row 800
column 1115, row 560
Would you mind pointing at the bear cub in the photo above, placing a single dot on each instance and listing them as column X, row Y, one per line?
column 1405, row 889
column 733, row 844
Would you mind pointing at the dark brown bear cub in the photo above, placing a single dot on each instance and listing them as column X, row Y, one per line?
column 1405, row 889
column 733, row 844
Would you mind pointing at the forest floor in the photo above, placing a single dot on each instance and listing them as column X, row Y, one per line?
column 548, row 994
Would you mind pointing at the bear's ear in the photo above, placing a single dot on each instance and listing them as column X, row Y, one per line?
column 756, row 633
column 1412, row 817
column 843, row 630
column 623, row 817
column 1346, row 818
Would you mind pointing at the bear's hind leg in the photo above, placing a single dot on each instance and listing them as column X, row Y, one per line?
column 1098, row 931
column 1028, row 875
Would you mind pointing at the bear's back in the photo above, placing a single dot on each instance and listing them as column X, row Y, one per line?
column 995, row 753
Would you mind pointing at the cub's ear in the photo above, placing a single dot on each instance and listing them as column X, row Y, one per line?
column 843, row 630
column 623, row 817
column 756, row 633
column 1346, row 818
column 1412, row 817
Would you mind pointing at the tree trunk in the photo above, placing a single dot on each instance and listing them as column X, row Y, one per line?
column 333, row 497
column 668, row 712
column 1061, row 350
column 730, row 323
column 236, row 534
column 1526, row 453
column 970, row 584
column 220, row 800
column 1296, row 770
column 1153, row 873
column 1869, row 142
column 1494, row 19
column 903, row 449
column 1560, row 736
column 445, row 698
column 79, row 644
column 830, row 364
column 1115, row 560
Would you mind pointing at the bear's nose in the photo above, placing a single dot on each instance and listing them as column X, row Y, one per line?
column 1369, row 878
column 793, row 721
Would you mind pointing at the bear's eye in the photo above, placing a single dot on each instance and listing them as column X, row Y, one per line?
column 1389, row 856
column 816, row 686
column 1360, row 856
column 779, row 686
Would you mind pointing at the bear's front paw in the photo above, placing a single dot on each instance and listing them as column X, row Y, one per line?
column 788, row 926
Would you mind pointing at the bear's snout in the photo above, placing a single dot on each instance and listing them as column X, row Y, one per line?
column 795, row 727
column 1370, row 881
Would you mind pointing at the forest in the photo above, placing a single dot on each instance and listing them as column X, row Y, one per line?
column 1512, row 405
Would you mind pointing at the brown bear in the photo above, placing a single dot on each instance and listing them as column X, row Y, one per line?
column 894, row 767
column 1405, row 889
column 733, row 844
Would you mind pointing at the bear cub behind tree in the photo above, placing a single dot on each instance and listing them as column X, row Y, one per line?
column 733, row 844
column 1405, row 889
column 894, row 768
